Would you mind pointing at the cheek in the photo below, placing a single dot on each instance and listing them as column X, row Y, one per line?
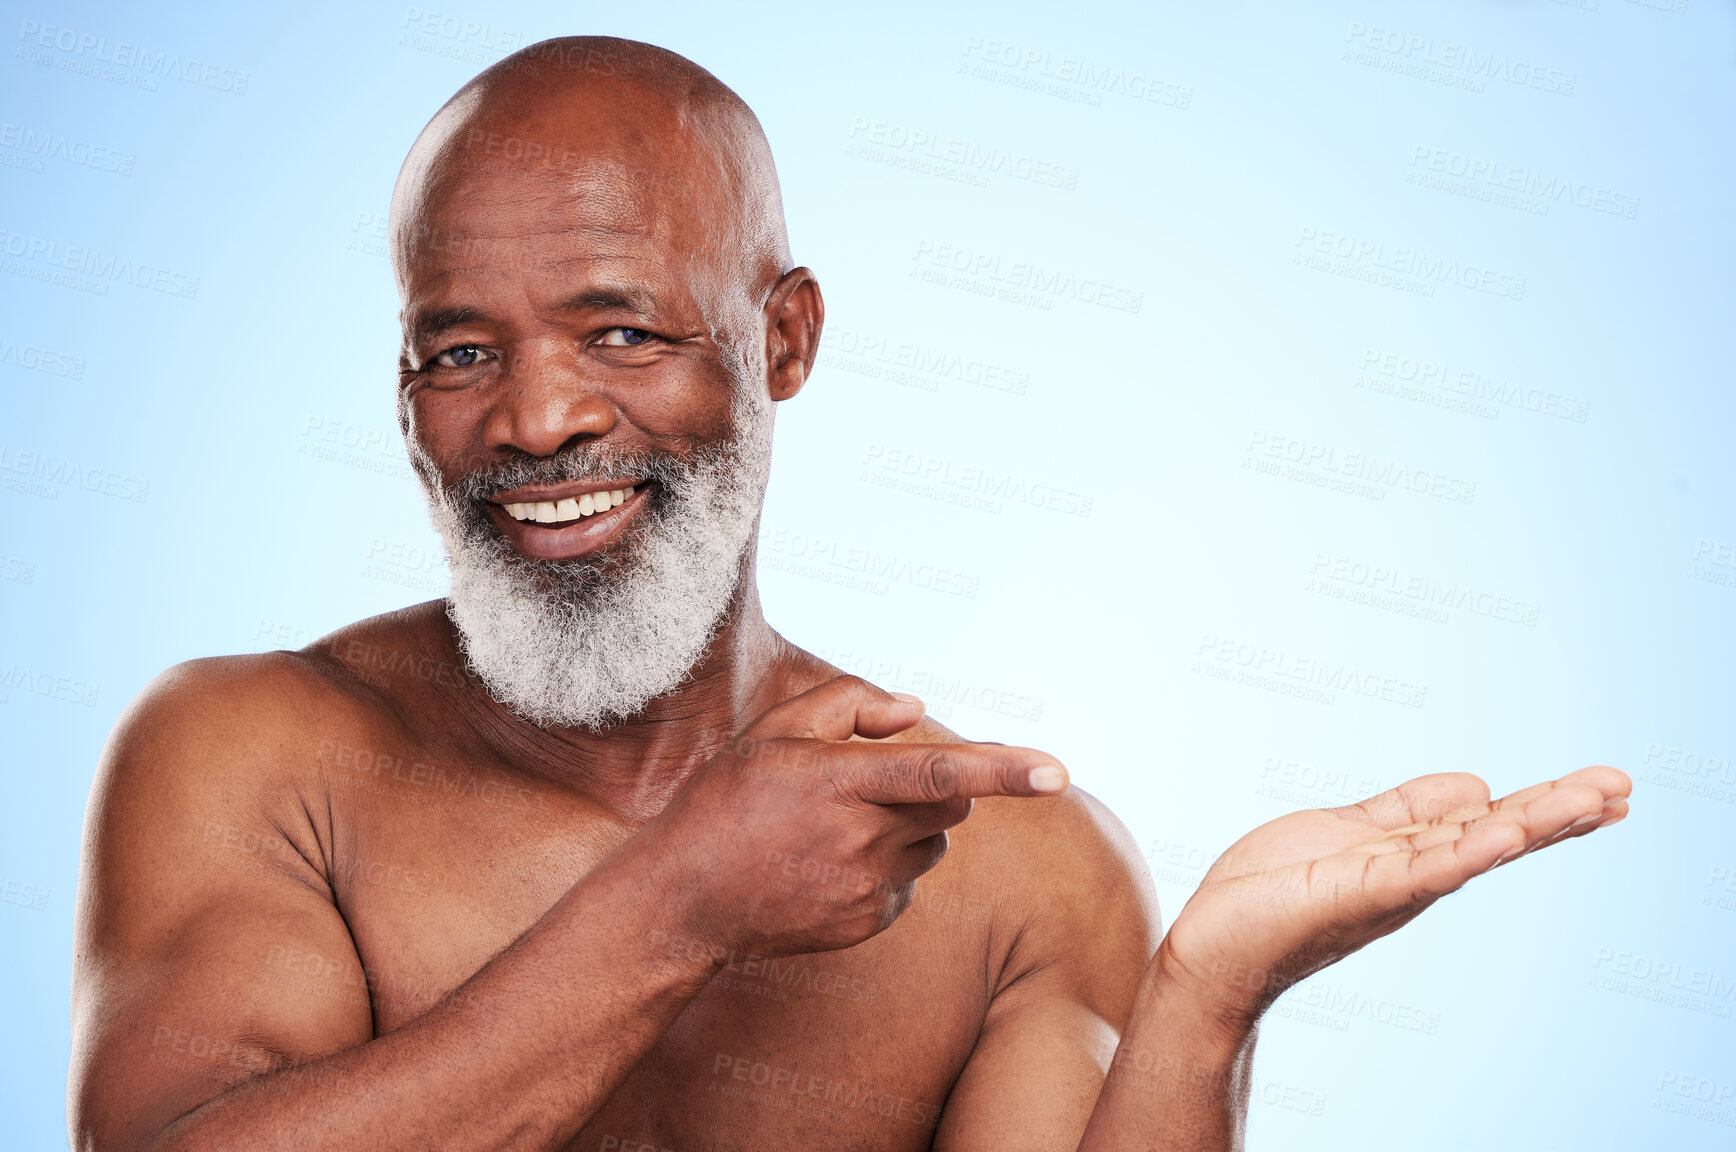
column 692, row 406
column 447, row 425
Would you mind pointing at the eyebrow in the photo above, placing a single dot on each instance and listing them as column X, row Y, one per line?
column 624, row 298
column 439, row 319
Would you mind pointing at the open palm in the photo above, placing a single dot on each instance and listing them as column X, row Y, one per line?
column 1308, row 889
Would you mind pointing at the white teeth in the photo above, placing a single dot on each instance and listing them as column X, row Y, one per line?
column 564, row 511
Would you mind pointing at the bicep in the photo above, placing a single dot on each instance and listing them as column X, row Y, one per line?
column 207, row 951
column 1033, row 1077
column 1053, row 1026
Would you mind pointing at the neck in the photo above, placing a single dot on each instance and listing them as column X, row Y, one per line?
column 632, row 768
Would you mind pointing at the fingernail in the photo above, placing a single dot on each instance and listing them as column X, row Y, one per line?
column 907, row 698
column 1048, row 778
column 1583, row 821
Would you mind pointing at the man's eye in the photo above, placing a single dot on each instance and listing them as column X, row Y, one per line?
column 624, row 337
column 463, row 356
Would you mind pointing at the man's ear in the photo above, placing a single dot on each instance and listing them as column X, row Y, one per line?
column 795, row 313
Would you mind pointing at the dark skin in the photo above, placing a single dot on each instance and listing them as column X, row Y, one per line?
column 344, row 898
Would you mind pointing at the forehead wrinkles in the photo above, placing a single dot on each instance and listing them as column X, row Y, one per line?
column 475, row 211
column 603, row 227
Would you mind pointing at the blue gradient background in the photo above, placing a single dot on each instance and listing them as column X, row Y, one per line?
column 1557, row 1004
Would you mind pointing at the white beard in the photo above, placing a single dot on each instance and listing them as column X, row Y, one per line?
column 588, row 642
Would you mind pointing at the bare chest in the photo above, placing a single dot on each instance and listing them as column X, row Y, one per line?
column 437, row 871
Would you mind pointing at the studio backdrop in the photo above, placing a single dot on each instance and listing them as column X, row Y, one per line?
column 1253, row 404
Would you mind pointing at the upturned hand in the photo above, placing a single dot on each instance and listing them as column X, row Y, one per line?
column 1308, row 889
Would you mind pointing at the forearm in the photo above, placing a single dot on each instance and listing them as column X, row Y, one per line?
column 1180, row 1078
column 519, row 1056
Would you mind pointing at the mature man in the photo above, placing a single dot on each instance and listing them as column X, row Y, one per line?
column 588, row 856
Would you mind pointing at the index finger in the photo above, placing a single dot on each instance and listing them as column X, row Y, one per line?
column 926, row 773
column 842, row 707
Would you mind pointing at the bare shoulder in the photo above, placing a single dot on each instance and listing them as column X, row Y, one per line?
column 211, row 800
column 223, row 716
column 254, row 710
column 229, row 748
column 1071, row 894
column 1066, row 861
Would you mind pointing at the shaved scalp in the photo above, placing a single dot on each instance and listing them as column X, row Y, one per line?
column 587, row 117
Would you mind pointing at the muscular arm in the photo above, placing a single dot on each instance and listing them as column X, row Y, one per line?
column 1059, row 1021
column 202, row 858
column 180, row 1044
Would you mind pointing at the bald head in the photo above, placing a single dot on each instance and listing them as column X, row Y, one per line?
column 587, row 122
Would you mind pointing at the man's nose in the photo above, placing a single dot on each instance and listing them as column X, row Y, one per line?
column 545, row 399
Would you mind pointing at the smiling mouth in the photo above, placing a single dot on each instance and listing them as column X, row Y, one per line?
column 568, row 510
